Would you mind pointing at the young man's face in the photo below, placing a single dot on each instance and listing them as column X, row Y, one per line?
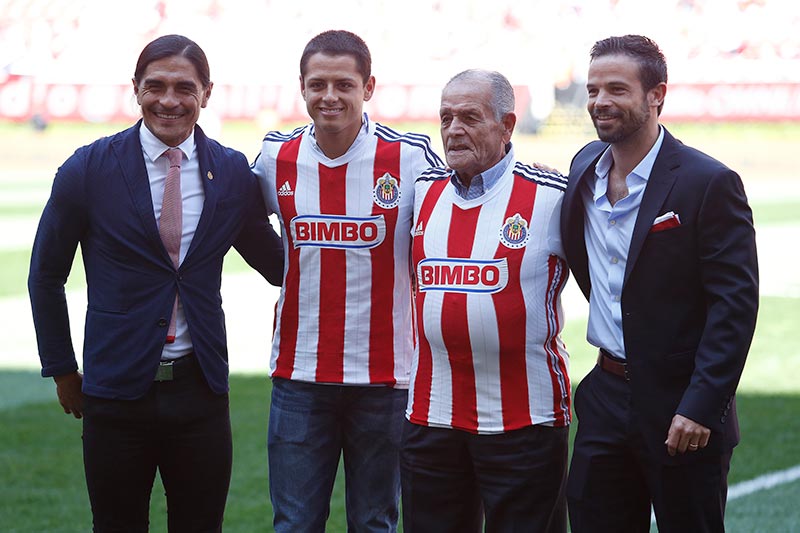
column 335, row 92
column 171, row 95
column 618, row 105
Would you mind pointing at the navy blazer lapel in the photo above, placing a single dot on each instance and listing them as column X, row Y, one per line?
column 127, row 149
column 582, row 168
column 660, row 183
column 208, row 176
column 584, row 161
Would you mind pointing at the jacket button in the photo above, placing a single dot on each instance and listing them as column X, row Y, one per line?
column 723, row 418
column 162, row 322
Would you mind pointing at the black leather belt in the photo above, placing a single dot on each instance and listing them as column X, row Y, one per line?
column 173, row 369
column 613, row 365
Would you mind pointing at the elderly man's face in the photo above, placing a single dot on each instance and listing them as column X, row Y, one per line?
column 171, row 96
column 473, row 139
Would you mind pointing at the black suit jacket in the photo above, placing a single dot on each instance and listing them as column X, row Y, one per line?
column 690, row 293
column 101, row 200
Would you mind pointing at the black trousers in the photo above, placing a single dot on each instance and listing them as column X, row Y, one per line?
column 453, row 480
column 613, row 478
column 180, row 428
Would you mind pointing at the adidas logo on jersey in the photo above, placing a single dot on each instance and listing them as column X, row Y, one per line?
column 419, row 231
column 285, row 190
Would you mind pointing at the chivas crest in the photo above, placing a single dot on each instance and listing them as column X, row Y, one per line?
column 515, row 232
column 387, row 192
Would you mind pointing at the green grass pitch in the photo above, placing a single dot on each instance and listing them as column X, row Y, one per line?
column 42, row 488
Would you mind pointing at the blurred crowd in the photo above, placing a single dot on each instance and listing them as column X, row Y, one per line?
column 416, row 41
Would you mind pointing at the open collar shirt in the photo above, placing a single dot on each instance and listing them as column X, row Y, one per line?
column 608, row 230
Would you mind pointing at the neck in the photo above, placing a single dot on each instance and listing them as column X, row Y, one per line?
column 465, row 181
column 630, row 152
column 335, row 144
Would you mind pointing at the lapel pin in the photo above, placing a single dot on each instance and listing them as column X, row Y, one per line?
column 210, row 175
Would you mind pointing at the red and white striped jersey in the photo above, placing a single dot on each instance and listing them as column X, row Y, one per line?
column 489, row 272
column 344, row 313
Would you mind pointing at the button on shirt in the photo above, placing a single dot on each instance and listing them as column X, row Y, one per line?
column 193, row 197
column 608, row 230
column 484, row 181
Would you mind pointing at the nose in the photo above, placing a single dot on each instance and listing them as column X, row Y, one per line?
column 330, row 93
column 456, row 126
column 169, row 98
column 601, row 99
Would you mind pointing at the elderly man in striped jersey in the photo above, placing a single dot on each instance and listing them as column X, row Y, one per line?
column 489, row 404
column 342, row 189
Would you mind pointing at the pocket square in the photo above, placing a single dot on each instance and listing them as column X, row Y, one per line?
column 666, row 221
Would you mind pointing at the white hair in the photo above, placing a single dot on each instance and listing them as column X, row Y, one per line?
column 502, row 101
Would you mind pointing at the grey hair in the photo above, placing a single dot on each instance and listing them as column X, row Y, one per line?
column 502, row 101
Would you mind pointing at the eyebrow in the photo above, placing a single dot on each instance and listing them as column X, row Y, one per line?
column 612, row 82
column 462, row 109
column 180, row 83
column 337, row 80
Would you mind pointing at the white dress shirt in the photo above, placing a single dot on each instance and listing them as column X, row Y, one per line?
column 193, row 196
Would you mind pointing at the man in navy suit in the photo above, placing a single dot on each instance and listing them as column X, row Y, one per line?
column 660, row 239
column 150, row 400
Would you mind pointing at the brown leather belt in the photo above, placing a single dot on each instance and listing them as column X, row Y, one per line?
column 612, row 365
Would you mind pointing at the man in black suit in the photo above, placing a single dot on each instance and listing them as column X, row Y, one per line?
column 153, row 394
column 660, row 239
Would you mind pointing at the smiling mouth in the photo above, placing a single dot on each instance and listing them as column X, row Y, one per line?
column 168, row 116
column 331, row 110
column 604, row 117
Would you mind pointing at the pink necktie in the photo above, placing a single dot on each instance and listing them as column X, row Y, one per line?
column 170, row 226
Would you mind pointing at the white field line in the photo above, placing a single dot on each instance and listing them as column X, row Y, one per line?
column 762, row 482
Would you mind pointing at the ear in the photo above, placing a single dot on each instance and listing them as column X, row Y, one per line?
column 136, row 91
column 206, row 94
column 369, row 88
column 302, row 87
column 509, row 121
column 656, row 95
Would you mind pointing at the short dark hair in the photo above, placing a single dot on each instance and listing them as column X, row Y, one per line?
column 174, row 45
column 336, row 43
column 652, row 64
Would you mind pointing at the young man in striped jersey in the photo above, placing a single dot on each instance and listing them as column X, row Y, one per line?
column 489, row 403
column 342, row 189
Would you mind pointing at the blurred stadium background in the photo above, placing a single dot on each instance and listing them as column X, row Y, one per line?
column 73, row 59
column 65, row 69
